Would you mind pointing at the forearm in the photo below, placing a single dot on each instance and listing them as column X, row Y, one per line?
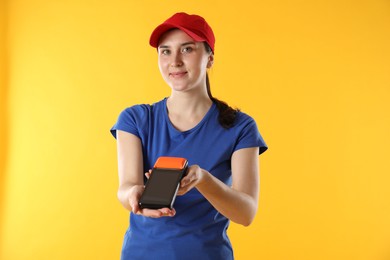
column 236, row 205
column 129, row 168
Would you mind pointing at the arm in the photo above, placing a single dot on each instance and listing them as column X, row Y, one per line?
column 239, row 202
column 130, row 171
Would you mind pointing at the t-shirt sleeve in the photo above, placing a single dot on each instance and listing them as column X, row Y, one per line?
column 131, row 120
column 249, row 136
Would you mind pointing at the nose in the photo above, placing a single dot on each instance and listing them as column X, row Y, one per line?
column 176, row 60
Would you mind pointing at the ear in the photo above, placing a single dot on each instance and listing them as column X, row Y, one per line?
column 211, row 61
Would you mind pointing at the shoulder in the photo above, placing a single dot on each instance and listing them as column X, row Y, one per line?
column 141, row 111
column 136, row 119
column 243, row 120
column 248, row 132
column 138, row 110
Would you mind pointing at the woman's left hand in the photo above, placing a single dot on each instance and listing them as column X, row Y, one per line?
column 195, row 175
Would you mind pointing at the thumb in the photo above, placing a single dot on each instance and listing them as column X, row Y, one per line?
column 135, row 207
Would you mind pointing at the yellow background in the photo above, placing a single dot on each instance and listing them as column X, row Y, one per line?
column 314, row 74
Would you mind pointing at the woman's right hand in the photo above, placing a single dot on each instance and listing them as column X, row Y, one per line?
column 134, row 195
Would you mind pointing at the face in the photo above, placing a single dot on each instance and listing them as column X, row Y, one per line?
column 183, row 62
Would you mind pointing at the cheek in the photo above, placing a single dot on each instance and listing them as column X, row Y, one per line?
column 162, row 65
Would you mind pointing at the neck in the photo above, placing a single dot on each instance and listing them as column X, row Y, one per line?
column 188, row 104
column 186, row 111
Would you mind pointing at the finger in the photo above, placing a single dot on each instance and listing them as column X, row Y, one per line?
column 134, row 207
column 185, row 181
column 184, row 190
column 151, row 213
column 181, row 192
column 147, row 174
column 188, row 180
column 168, row 212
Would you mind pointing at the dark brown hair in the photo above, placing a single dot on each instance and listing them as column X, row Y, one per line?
column 227, row 114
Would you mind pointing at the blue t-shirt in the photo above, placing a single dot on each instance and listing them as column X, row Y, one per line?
column 197, row 231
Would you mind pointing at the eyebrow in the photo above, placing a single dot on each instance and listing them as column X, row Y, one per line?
column 181, row 45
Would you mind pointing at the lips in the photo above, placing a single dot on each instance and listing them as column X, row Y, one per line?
column 178, row 74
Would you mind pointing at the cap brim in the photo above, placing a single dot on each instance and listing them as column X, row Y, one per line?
column 163, row 28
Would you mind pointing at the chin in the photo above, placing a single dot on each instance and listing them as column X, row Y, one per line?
column 178, row 87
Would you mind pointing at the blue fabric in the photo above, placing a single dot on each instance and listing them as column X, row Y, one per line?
column 197, row 231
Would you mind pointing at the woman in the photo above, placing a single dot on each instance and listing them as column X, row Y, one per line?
column 221, row 144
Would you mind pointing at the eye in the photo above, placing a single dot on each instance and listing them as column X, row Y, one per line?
column 187, row 49
column 165, row 52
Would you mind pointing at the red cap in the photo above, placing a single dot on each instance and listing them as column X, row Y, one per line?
column 193, row 25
